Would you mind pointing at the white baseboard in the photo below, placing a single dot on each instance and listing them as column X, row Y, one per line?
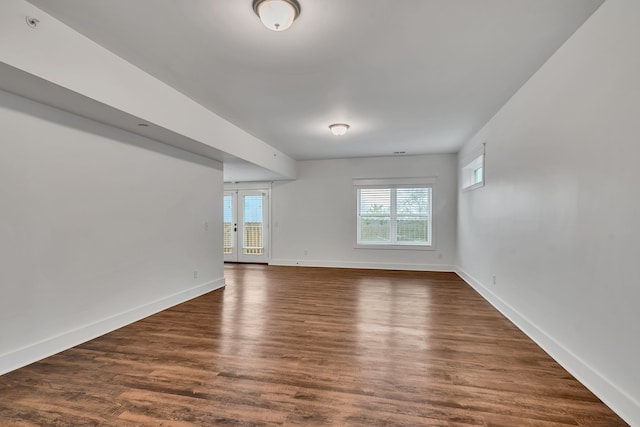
column 37, row 351
column 618, row 400
column 367, row 265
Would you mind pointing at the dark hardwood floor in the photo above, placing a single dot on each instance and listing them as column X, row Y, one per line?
column 305, row 347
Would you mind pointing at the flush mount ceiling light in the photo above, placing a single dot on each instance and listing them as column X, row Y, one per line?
column 277, row 15
column 339, row 128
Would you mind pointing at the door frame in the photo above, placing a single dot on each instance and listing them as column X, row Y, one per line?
column 263, row 187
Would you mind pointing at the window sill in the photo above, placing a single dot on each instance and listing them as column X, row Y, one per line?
column 473, row 187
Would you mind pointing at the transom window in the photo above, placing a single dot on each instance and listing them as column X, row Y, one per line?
column 394, row 215
column 473, row 172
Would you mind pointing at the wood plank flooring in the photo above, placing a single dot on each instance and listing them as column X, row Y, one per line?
column 289, row 346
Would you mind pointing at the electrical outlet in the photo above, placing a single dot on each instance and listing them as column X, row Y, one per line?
column 206, row 226
column 306, row 252
column 195, row 274
column 494, row 279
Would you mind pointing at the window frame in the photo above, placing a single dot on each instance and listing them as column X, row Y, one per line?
column 395, row 183
column 470, row 169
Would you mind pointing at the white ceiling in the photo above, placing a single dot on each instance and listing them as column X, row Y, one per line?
column 420, row 76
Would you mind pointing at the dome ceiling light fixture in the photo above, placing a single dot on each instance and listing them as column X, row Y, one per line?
column 277, row 15
column 339, row 129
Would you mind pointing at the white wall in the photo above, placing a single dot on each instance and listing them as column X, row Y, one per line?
column 557, row 221
column 98, row 228
column 316, row 213
column 97, row 82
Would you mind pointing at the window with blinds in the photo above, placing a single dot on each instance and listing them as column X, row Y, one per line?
column 394, row 215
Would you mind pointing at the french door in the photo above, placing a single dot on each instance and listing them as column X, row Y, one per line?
column 246, row 226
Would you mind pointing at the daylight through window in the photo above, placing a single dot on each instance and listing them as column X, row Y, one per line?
column 394, row 215
column 473, row 173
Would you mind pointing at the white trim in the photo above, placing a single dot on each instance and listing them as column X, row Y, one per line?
column 474, row 186
column 365, row 182
column 618, row 400
column 366, row 265
column 262, row 185
column 37, row 351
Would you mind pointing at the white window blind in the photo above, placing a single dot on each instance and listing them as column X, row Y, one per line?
column 394, row 215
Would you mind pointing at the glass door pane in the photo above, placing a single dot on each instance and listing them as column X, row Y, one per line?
column 229, row 235
column 253, row 225
column 246, row 226
column 230, row 223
